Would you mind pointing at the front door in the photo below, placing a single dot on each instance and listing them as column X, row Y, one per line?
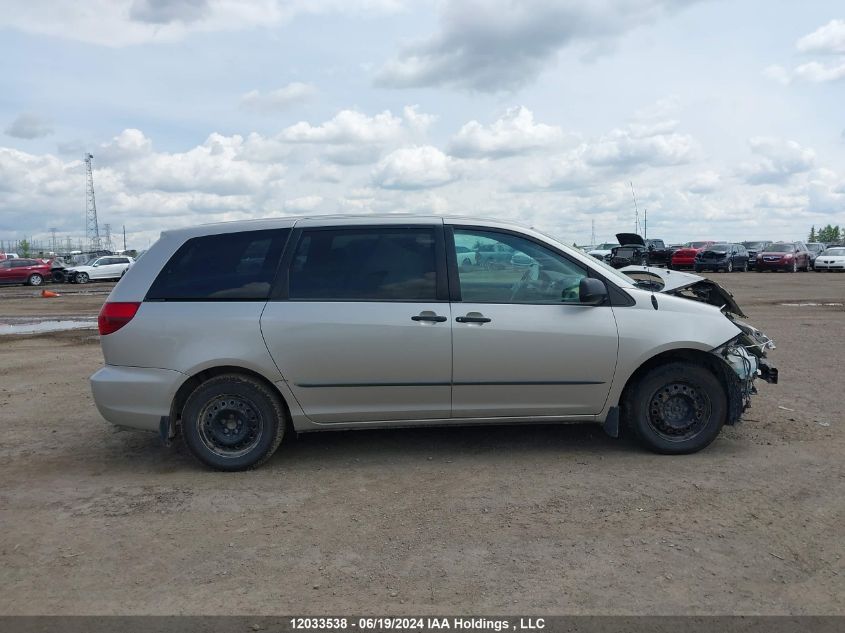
column 362, row 329
column 523, row 345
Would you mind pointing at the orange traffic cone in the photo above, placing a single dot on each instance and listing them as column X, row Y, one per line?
column 49, row 293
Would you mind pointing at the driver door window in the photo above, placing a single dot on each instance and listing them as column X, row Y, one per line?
column 503, row 268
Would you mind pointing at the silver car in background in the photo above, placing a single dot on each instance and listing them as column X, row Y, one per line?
column 234, row 334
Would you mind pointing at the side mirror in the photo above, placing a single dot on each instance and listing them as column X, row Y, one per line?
column 592, row 292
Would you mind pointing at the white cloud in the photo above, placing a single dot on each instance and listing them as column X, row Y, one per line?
column 514, row 133
column 303, row 204
column 827, row 39
column 780, row 160
column 279, row 99
column 347, row 126
column 819, row 73
column 415, row 168
column 490, row 46
column 29, row 126
column 705, row 182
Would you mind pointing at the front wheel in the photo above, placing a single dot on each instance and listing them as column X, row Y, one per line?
column 794, row 268
column 730, row 267
column 233, row 422
column 82, row 278
column 35, row 279
column 676, row 408
column 745, row 267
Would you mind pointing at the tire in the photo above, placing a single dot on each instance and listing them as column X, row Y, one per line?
column 745, row 267
column 248, row 408
column 698, row 408
column 794, row 268
column 59, row 277
column 697, row 269
column 82, row 278
column 35, row 280
column 730, row 267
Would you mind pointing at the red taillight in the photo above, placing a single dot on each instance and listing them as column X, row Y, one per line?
column 114, row 316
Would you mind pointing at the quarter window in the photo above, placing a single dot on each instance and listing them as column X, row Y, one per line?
column 226, row 267
column 379, row 264
column 504, row 268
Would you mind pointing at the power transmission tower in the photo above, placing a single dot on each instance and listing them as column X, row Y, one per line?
column 107, row 230
column 53, row 239
column 92, row 229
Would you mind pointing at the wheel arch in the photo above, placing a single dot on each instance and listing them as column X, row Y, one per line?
column 684, row 354
column 177, row 405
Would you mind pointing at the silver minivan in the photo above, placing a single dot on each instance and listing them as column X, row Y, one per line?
column 233, row 334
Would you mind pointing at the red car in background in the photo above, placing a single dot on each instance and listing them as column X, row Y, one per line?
column 684, row 257
column 31, row 272
column 787, row 256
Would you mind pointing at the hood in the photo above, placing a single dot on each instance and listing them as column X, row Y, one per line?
column 627, row 239
column 684, row 285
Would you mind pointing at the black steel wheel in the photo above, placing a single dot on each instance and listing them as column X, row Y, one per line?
column 676, row 408
column 233, row 422
column 59, row 276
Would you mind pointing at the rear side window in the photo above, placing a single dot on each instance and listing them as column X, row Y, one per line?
column 379, row 264
column 226, row 267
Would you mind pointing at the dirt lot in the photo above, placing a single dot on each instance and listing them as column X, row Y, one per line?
column 536, row 520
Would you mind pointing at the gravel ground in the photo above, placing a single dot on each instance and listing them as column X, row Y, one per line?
column 532, row 519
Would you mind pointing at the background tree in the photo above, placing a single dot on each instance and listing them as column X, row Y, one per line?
column 830, row 234
column 24, row 246
column 812, row 237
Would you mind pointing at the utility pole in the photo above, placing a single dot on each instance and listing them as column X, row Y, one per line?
column 593, row 233
column 53, row 239
column 636, row 210
column 124, row 238
column 107, row 230
column 92, row 228
column 645, row 223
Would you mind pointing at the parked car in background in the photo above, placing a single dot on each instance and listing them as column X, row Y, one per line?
column 466, row 256
column 5, row 256
column 31, row 272
column 815, row 249
column 658, row 253
column 831, row 259
column 109, row 267
column 754, row 247
column 602, row 251
column 319, row 335
column 684, row 257
column 787, row 256
column 493, row 256
column 722, row 256
column 632, row 251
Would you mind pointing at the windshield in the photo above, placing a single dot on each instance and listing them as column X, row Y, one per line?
column 605, row 247
column 754, row 246
column 720, row 248
column 695, row 244
column 835, row 251
column 816, row 248
column 781, row 248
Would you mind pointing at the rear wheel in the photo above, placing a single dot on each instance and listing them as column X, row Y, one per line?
column 233, row 422
column 676, row 408
column 35, row 279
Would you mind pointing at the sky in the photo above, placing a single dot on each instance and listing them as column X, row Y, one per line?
column 727, row 117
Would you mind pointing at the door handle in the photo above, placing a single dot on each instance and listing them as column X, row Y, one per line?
column 429, row 317
column 472, row 319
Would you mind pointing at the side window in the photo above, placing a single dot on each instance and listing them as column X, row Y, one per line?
column 504, row 268
column 231, row 266
column 365, row 264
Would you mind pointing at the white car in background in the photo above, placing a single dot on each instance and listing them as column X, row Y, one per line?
column 831, row 259
column 106, row 267
column 602, row 251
